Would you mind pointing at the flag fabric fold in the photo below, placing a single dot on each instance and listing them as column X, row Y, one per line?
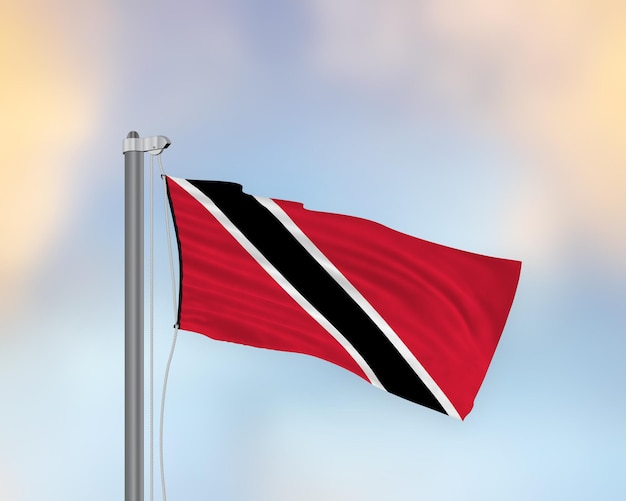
column 417, row 319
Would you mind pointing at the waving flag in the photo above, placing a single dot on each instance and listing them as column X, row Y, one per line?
column 417, row 319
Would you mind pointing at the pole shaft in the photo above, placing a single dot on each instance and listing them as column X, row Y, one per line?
column 134, row 313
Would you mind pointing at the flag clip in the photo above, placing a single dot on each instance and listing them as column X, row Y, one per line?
column 153, row 144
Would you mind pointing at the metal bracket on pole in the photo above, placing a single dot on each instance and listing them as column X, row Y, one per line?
column 153, row 144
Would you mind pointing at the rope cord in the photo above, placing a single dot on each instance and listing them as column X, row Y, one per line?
column 175, row 337
column 169, row 242
column 151, row 328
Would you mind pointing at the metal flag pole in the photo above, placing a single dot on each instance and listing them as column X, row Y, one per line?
column 134, row 148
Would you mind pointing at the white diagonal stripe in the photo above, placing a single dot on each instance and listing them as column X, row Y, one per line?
column 363, row 303
column 228, row 225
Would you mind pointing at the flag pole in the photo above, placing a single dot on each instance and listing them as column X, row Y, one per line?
column 134, row 148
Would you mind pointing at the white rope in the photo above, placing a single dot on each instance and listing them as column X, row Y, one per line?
column 151, row 328
column 169, row 241
column 171, row 355
column 167, row 371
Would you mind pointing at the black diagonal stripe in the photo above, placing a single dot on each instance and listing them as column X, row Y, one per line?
column 306, row 275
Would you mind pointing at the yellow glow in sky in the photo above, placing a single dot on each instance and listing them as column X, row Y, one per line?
column 47, row 109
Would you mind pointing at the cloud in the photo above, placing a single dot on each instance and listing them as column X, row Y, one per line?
column 50, row 99
column 548, row 79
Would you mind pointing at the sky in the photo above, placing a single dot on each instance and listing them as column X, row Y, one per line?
column 497, row 127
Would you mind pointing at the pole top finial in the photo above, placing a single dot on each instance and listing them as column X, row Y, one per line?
column 153, row 144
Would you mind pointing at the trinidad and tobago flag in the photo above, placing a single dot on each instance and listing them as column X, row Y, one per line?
column 414, row 318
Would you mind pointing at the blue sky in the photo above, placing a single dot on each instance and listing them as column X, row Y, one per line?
column 493, row 127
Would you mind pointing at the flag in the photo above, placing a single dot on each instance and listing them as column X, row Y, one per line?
column 414, row 318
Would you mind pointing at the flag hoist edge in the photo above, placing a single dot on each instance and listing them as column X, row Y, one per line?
column 417, row 319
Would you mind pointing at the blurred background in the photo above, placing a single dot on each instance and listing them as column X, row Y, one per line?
column 497, row 127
